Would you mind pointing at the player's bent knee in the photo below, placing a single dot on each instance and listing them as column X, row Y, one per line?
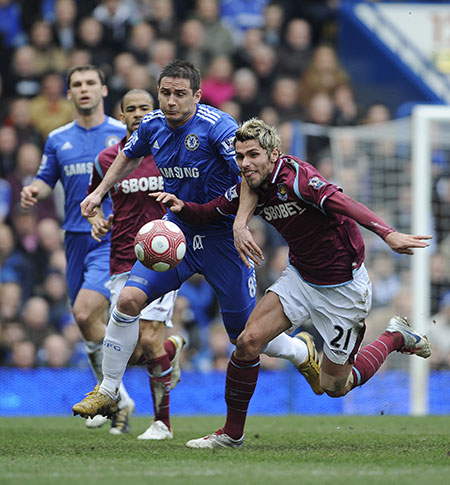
column 130, row 302
column 334, row 387
column 247, row 344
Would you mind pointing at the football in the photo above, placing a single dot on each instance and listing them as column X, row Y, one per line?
column 160, row 245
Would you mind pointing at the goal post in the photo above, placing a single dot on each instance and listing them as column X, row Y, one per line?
column 401, row 170
column 423, row 117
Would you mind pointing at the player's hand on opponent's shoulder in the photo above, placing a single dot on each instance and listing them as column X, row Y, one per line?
column 246, row 245
column 89, row 203
column 100, row 226
column 169, row 200
column 28, row 196
column 403, row 243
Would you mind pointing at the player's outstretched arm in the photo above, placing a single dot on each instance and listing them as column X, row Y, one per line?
column 403, row 243
column 243, row 240
column 121, row 167
column 33, row 193
column 169, row 200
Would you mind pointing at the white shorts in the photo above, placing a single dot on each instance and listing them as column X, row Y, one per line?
column 160, row 310
column 338, row 313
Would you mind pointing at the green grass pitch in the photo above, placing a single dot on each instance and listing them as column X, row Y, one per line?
column 278, row 450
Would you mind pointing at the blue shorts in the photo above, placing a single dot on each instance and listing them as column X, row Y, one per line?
column 87, row 264
column 216, row 258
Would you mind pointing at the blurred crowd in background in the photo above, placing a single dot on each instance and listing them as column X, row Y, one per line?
column 275, row 60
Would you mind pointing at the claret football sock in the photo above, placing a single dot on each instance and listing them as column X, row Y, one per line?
column 239, row 388
column 372, row 356
column 159, row 371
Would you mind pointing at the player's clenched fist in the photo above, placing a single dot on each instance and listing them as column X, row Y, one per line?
column 29, row 196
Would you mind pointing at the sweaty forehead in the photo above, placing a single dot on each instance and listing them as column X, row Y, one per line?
column 175, row 83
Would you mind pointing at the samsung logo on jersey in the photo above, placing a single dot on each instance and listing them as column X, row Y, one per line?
column 180, row 172
column 81, row 168
column 281, row 211
column 143, row 184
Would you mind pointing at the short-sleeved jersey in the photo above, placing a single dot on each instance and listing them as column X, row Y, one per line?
column 196, row 160
column 325, row 248
column 69, row 156
column 132, row 206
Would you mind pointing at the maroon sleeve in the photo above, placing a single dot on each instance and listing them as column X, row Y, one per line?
column 199, row 214
column 345, row 205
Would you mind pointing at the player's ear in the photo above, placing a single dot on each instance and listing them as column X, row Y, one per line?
column 274, row 155
column 198, row 95
column 68, row 95
column 104, row 90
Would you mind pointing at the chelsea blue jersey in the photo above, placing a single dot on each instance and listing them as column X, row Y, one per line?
column 197, row 160
column 69, row 156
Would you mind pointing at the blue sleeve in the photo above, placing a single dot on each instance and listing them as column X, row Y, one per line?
column 49, row 167
column 138, row 145
column 222, row 138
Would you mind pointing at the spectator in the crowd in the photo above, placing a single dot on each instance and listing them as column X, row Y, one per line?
column 441, row 205
column 79, row 57
column 243, row 55
column 386, row 281
column 19, row 117
column 11, row 331
column 35, row 316
column 48, row 55
column 218, row 39
column 320, row 111
column 23, row 355
column 50, row 109
column 219, row 347
column 27, row 162
column 55, row 351
column 247, row 92
column 269, row 114
column 439, row 334
column 242, row 15
column 376, row 113
column 11, row 28
column 440, row 278
column 50, row 235
column 123, row 65
column 162, row 52
column 233, row 108
column 323, row 74
column 296, row 52
column 263, row 64
column 90, row 37
column 23, row 78
column 347, row 110
column 54, row 291
column 8, row 146
column 116, row 18
column 64, row 26
column 163, row 19
column 217, row 86
column 7, row 244
column 285, row 100
column 139, row 42
column 192, row 46
column 273, row 24
column 10, row 298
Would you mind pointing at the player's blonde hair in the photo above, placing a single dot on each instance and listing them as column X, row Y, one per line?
column 257, row 129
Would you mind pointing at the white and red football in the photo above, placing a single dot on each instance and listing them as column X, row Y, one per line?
column 160, row 245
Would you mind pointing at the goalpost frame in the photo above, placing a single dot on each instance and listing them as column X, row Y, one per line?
column 422, row 118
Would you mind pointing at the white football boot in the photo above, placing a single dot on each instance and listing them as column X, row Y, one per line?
column 219, row 439
column 413, row 342
column 157, row 431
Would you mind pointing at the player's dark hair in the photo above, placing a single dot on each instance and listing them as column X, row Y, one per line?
column 135, row 91
column 183, row 70
column 83, row 68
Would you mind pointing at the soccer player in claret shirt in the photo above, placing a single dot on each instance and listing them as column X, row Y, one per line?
column 192, row 145
column 69, row 156
column 325, row 280
column 132, row 208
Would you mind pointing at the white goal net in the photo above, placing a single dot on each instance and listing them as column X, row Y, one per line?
column 401, row 170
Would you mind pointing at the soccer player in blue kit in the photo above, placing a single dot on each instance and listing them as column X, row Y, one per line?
column 192, row 145
column 68, row 156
